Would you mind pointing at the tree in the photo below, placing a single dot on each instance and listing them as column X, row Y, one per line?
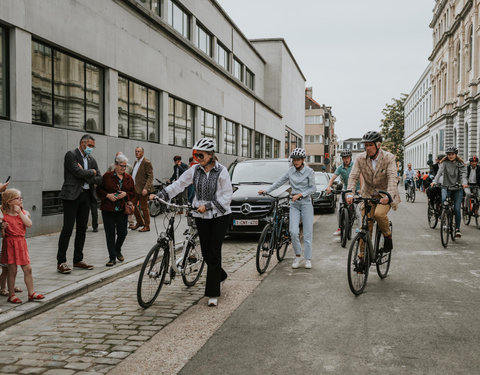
column 392, row 127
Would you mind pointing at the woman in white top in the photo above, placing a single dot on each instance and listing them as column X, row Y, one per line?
column 213, row 194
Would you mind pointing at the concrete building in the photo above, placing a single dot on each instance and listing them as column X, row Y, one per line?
column 152, row 73
column 320, row 138
column 353, row 144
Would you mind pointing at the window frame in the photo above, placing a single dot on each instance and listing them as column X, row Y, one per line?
column 227, row 56
column 203, row 114
column 248, row 147
column 248, row 73
column 171, row 18
column 241, row 65
column 199, row 27
column 234, row 135
column 192, row 116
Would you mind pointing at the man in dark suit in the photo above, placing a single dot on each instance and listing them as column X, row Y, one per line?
column 80, row 175
column 143, row 176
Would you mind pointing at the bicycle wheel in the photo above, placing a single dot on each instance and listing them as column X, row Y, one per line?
column 192, row 264
column 465, row 213
column 444, row 228
column 284, row 242
column 407, row 195
column 350, row 223
column 475, row 213
column 382, row 261
column 344, row 223
column 152, row 275
column 412, row 195
column 451, row 225
column 358, row 264
column 432, row 218
column 264, row 249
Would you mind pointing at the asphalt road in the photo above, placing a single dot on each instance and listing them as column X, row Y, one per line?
column 422, row 319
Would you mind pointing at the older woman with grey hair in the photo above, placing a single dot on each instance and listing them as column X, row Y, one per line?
column 116, row 190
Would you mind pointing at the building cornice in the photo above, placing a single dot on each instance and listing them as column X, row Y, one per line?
column 437, row 10
column 408, row 141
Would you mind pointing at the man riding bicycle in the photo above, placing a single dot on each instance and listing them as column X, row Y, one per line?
column 344, row 172
column 473, row 179
column 379, row 172
column 409, row 175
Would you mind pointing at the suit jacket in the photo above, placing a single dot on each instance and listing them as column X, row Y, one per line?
column 144, row 176
column 75, row 177
column 110, row 185
column 384, row 177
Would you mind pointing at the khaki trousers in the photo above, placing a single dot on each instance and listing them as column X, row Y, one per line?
column 379, row 213
column 142, row 199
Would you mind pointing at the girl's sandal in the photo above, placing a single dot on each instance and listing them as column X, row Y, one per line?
column 35, row 296
column 4, row 292
column 18, row 290
column 14, row 299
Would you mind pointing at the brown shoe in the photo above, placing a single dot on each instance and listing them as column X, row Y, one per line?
column 63, row 268
column 145, row 229
column 120, row 257
column 83, row 265
column 136, row 226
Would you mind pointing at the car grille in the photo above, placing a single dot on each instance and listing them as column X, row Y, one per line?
column 317, row 195
column 250, row 209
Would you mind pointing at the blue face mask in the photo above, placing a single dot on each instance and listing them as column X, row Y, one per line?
column 88, row 150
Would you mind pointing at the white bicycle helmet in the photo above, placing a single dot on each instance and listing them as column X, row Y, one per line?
column 205, row 144
column 298, row 153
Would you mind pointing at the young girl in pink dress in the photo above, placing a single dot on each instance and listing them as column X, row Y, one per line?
column 14, row 245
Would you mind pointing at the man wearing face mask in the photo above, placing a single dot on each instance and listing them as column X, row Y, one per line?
column 81, row 173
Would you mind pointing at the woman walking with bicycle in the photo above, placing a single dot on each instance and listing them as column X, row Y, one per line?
column 213, row 194
column 302, row 180
column 454, row 172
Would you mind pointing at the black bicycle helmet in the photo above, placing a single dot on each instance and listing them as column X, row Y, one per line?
column 372, row 136
column 345, row 153
column 451, row 150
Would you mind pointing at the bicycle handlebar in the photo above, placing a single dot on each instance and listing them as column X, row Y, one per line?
column 375, row 200
column 174, row 205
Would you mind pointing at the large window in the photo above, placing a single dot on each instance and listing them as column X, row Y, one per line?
column 3, row 73
column 180, row 123
column 313, row 139
column 204, row 40
column 137, row 111
column 237, row 69
column 230, row 137
column 287, row 143
column 249, row 79
column 209, row 125
column 222, row 57
column 67, row 92
column 268, row 147
column 309, row 120
column 178, row 19
column 153, row 5
column 246, row 142
column 276, row 149
column 441, row 142
column 258, row 145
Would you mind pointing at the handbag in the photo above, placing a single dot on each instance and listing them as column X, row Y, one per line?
column 129, row 208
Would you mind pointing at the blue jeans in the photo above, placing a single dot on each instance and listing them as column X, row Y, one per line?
column 457, row 196
column 302, row 209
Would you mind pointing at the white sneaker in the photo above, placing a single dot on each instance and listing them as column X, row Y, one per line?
column 212, row 302
column 296, row 262
column 308, row 264
column 337, row 232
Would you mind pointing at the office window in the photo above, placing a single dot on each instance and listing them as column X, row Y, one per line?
column 237, row 69
column 222, row 57
column 309, row 120
column 230, row 137
column 76, row 85
column 287, row 143
column 246, row 142
column 268, row 147
column 276, row 149
column 153, row 5
column 137, row 111
column 178, row 19
column 180, row 123
column 209, row 125
column 293, row 142
column 258, row 145
column 249, row 79
column 204, row 40
column 3, row 73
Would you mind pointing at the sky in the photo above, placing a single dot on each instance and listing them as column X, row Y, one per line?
column 356, row 54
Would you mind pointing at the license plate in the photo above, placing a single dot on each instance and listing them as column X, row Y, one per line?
column 245, row 222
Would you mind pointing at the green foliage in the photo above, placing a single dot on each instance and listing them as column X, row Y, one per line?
column 392, row 127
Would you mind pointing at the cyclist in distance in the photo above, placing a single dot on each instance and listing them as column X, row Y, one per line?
column 302, row 180
column 213, row 194
column 344, row 172
column 379, row 172
column 473, row 179
column 453, row 171
column 409, row 176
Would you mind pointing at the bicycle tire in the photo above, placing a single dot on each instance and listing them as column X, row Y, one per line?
column 344, row 223
column 407, row 196
column 284, row 242
column 466, row 213
column 150, row 281
column 357, row 274
column 192, row 264
column 451, row 225
column 350, row 224
column 444, row 229
column 382, row 261
column 264, row 249
column 412, row 196
column 431, row 217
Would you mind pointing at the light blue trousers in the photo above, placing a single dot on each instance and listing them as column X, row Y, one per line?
column 302, row 209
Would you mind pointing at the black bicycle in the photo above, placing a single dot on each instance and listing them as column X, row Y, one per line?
column 154, row 207
column 347, row 218
column 470, row 208
column 275, row 235
column 161, row 259
column 447, row 224
column 434, row 206
column 363, row 253
column 410, row 191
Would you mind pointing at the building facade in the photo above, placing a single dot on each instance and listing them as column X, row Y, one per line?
column 353, row 144
column 152, row 73
column 320, row 138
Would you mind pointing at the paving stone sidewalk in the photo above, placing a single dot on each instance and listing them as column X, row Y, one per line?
column 58, row 288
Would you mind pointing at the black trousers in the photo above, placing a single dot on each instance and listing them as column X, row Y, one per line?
column 94, row 210
column 74, row 212
column 211, row 233
column 115, row 224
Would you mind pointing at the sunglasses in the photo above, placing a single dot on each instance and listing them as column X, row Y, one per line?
column 199, row 156
column 122, row 166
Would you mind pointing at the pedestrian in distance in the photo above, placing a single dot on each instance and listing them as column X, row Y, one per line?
column 115, row 191
column 129, row 169
column 143, row 178
column 14, row 244
column 178, row 169
column 81, row 174
column 302, row 180
column 213, row 194
column 473, row 180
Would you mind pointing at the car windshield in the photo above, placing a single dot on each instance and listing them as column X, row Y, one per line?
column 321, row 179
column 258, row 171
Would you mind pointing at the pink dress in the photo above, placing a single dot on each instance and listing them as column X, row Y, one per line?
column 14, row 244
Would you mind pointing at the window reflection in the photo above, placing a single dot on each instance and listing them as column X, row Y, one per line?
column 180, row 123
column 41, row 83
column 122, row 107
column 209, row 125
column 246, row 144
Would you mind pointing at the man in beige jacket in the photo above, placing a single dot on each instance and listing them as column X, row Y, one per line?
column 379, row 171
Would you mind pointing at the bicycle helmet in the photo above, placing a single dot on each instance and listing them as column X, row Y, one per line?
column 345, row 153
column 451, row 150
column 473, row 159
column 372, row 136
column 205, row 144
column 298, row 153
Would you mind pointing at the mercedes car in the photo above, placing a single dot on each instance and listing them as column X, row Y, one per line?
column 321, row 199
